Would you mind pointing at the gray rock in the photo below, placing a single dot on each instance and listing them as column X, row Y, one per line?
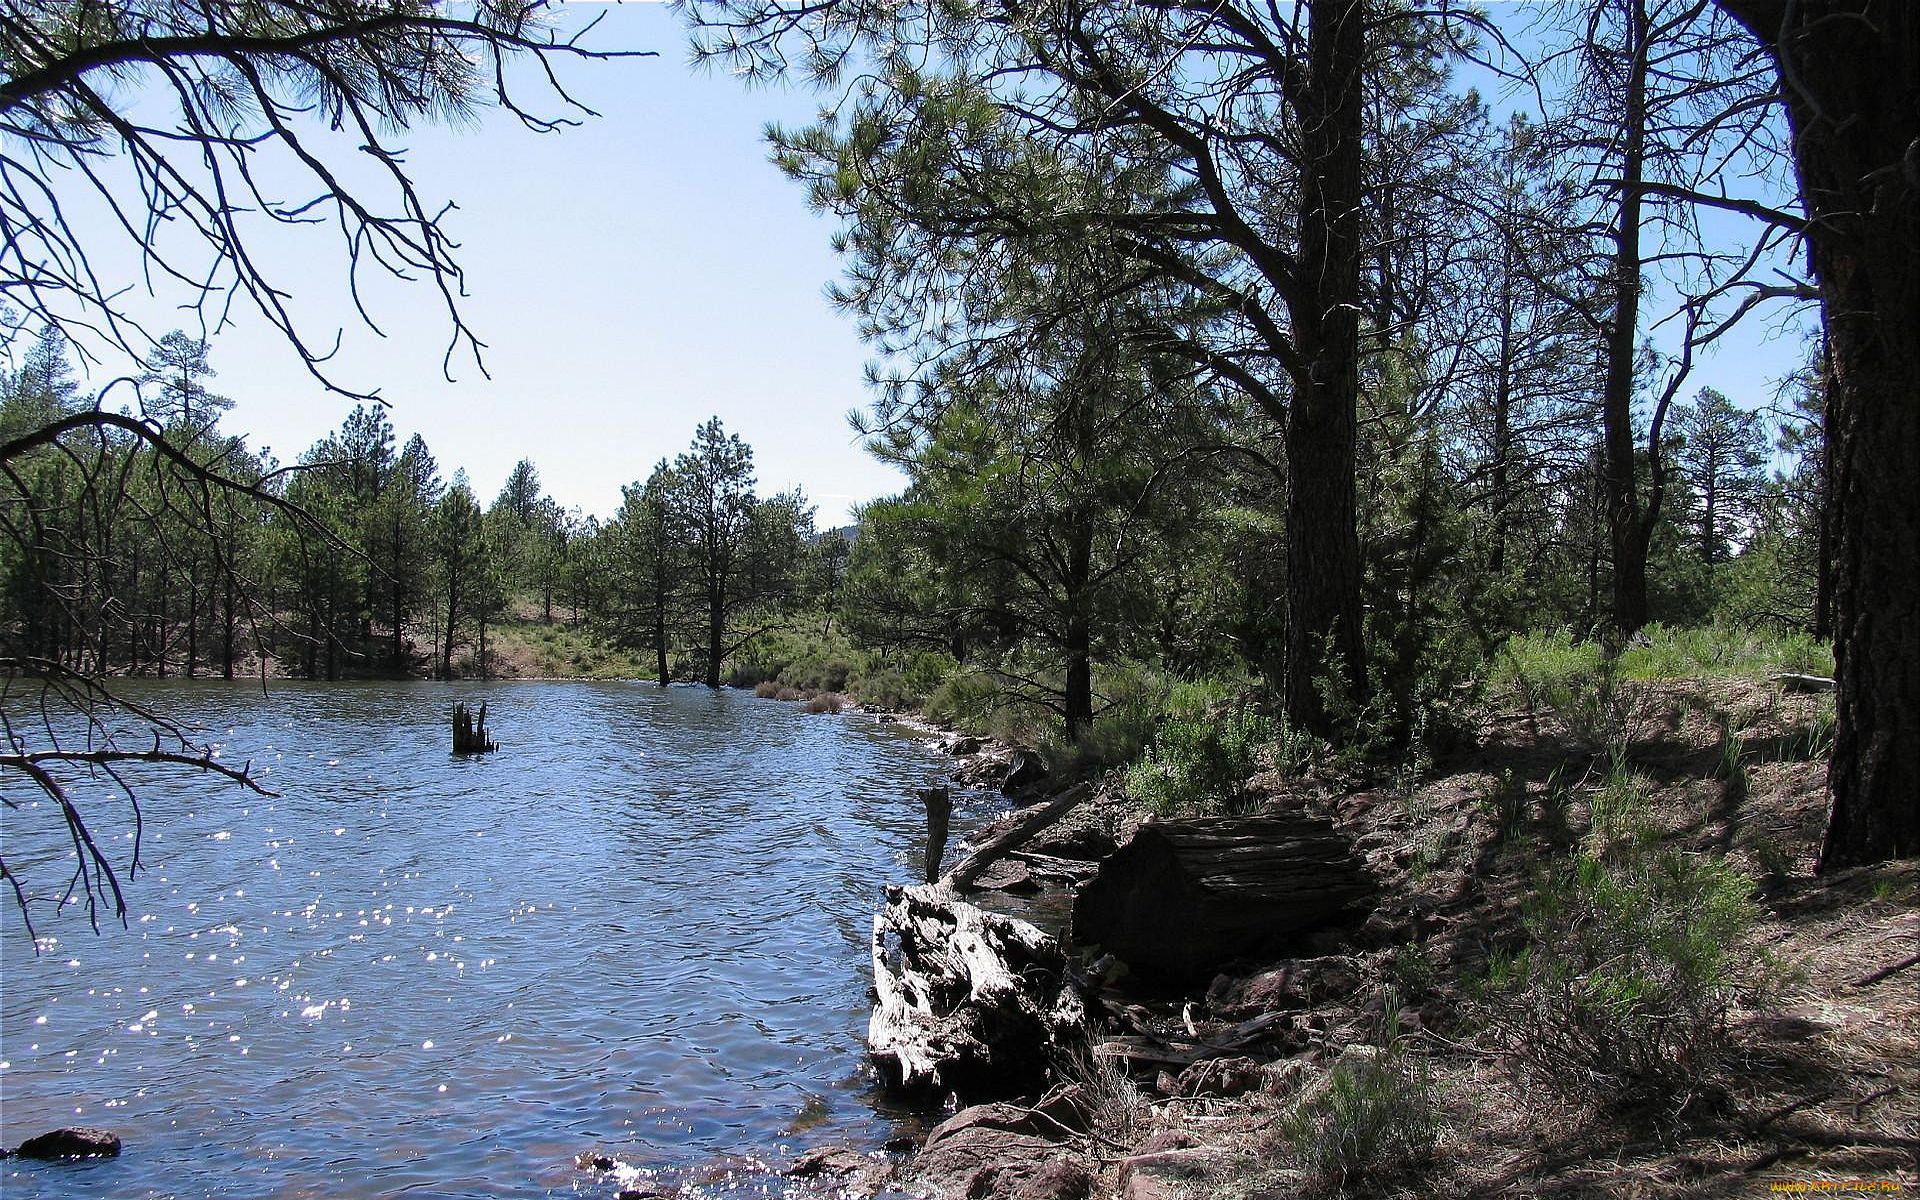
column 1002, row 1152
column 854, row 1173
column 77, row 1142
column 1024, row 769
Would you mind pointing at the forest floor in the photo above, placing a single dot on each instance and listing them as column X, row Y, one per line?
column 1385, row 1059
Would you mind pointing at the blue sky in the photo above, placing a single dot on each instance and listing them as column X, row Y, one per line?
column 631, row 277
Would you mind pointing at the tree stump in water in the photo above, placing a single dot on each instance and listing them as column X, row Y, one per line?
column 469, row 734
column 965, row 1000
column 939, row 806
column 1185, row 897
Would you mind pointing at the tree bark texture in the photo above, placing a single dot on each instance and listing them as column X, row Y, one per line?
column 1850, row 74
column 1627, row 533
column 1323, row 542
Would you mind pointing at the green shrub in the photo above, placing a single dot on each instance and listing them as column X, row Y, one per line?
column 887, row 689
column 1618, row 814
column 1505, row 803
column 965, row 699
column 1411, row 971
column 1375, row 1119
column 1624, row 990
column 1200, row 763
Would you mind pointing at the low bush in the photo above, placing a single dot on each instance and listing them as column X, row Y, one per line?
column 1619, row 811
column 826, row 702
column 1631, row 971
column 965, row 699
column 1505, row 804
column 1374, row 1120
column 1201, row 763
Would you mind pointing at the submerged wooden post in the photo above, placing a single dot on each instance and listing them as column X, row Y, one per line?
column 939, row 802
column 469, row 735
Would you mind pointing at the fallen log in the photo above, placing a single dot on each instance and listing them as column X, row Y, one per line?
column 1186, row 897
column 1793, row 682
column 1028, row 827
column 966, row 1001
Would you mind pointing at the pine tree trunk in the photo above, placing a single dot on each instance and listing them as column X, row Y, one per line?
column 193, row 618
column 453, row 613
column 1848, row 69
column 397, row 655
column 1323, row 543
column 716, row 631
column 1624, row 524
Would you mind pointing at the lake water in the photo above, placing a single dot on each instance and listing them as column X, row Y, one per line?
column 639, row 929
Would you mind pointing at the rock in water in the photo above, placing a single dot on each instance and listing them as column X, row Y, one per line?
column 79, row 1142
column 1185, row 897
column 966, row 1001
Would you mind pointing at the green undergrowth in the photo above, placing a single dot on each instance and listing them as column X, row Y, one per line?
column 810, row 654
column 1373, row 1123
column 1201, row 761
column 1554, row 660
column 1624, row 992
column 536, row 649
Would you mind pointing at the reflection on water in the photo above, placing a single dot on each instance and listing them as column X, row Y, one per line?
column 639, row 928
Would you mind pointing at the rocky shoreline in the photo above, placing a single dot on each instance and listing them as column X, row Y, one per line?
column 1222, row 1080
column 1208, row 1079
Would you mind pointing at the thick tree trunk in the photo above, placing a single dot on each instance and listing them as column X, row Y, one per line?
column 1323, row 543
column 1850, row 71
column 1079, row 683
column 1626, row 530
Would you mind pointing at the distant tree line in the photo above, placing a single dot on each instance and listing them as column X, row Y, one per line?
column 359, row 558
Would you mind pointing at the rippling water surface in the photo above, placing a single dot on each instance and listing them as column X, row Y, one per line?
column 640, row 929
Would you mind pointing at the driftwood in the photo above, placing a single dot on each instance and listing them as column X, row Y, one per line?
column 1183, row 898
column 470, row 735
column 1016, row 835
column 939, row 805
column 966, row 1001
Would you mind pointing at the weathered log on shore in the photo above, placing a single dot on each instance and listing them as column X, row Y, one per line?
column 1185, row 897
column 1017, row 834
column 966, row 1001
